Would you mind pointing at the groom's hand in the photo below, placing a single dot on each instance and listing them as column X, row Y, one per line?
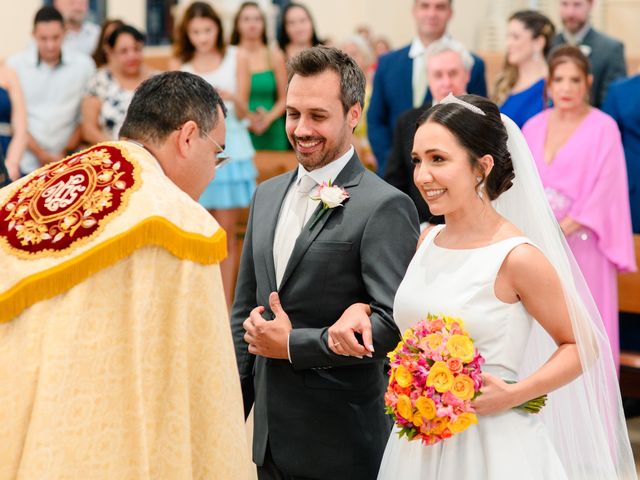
column 268, row 338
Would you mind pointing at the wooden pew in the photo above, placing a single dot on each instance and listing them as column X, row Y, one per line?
column 629, row 301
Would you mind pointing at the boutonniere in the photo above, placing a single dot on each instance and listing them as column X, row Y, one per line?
column 586, row 50
column 331, row 196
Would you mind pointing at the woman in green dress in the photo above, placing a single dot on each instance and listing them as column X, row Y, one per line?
column 268, row 79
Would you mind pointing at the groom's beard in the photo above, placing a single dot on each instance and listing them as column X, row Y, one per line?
column 324, row 153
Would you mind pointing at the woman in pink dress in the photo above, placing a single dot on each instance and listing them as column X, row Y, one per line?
column 578, row 152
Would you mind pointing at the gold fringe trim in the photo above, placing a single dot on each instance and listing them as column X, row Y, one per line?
column 155, row 231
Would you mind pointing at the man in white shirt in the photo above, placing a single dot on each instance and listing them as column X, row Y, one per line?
column 311, row 402
column 53, row 81
column 400, row 82
column 81, row 34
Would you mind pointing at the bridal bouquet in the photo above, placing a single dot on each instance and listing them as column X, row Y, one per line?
column 435, row 375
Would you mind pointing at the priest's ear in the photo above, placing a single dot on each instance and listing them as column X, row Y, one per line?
column 187, row 134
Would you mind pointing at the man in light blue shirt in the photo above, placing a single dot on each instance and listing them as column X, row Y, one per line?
column 53, row 81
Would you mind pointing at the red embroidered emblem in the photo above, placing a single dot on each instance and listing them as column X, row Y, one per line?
column 67, row 201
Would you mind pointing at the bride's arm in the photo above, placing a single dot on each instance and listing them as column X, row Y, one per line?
column 535, row 282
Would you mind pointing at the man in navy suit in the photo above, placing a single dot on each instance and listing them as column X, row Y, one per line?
column 606, row 54
column 400, row 81
column 622, row 103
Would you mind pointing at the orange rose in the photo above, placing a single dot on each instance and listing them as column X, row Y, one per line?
column 463, row 387
column 455, row 365
column 464, row 421
column 438, row 425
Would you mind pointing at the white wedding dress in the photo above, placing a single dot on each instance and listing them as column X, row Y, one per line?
column 508, row 445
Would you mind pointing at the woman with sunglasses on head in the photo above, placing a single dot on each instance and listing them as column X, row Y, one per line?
column 200, row 48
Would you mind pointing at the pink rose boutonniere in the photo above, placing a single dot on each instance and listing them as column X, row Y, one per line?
column 331, row 196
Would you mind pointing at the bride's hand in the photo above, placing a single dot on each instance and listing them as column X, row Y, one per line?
column 341, row 338
column 497, row 396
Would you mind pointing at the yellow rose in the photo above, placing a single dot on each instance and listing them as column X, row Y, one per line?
column 440, row 377
column 404, row 407
column 417, row 419
column 464, row 421
column 407, row 333
column 433, row 341
column 426, row 407
column 449, row 321
column 403, row 376
column 463, row 387
column 461, row 347
column 392, row 354
column 439, row 425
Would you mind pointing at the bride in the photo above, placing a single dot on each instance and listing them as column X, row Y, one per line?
column 502, row 265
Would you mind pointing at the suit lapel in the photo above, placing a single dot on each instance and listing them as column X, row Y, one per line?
column 348, row 178
column 272, row 222
column 406, row 77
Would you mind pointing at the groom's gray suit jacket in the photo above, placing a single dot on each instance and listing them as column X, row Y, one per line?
column 323, row 414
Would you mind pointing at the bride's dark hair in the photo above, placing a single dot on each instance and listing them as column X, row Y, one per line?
column 480, row 135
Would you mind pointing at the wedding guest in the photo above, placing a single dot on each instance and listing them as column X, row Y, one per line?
column 268, row 78
column 519, row 89
column 605, row 53
column 359, row 49
column 381, row 45
column 400, row 82
column 297, row 30
column 111, row 89
column 53, row 80
column 449, row 67
column 82, row 35
column 100, row 57
column 622, row 103
column 303, row 394
column 200, row 48
column 580, row 158
column 13, row 125
column 116, row 359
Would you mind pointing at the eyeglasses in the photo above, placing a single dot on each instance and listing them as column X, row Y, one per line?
column 222, row 157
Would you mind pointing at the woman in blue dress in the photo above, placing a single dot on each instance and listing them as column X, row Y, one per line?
column 200, row 48
column 520, row 88
column 13, row 125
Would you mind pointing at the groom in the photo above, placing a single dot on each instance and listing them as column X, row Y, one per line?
column 319, row 415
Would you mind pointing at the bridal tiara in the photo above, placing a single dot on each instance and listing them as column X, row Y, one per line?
column 452, row 99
